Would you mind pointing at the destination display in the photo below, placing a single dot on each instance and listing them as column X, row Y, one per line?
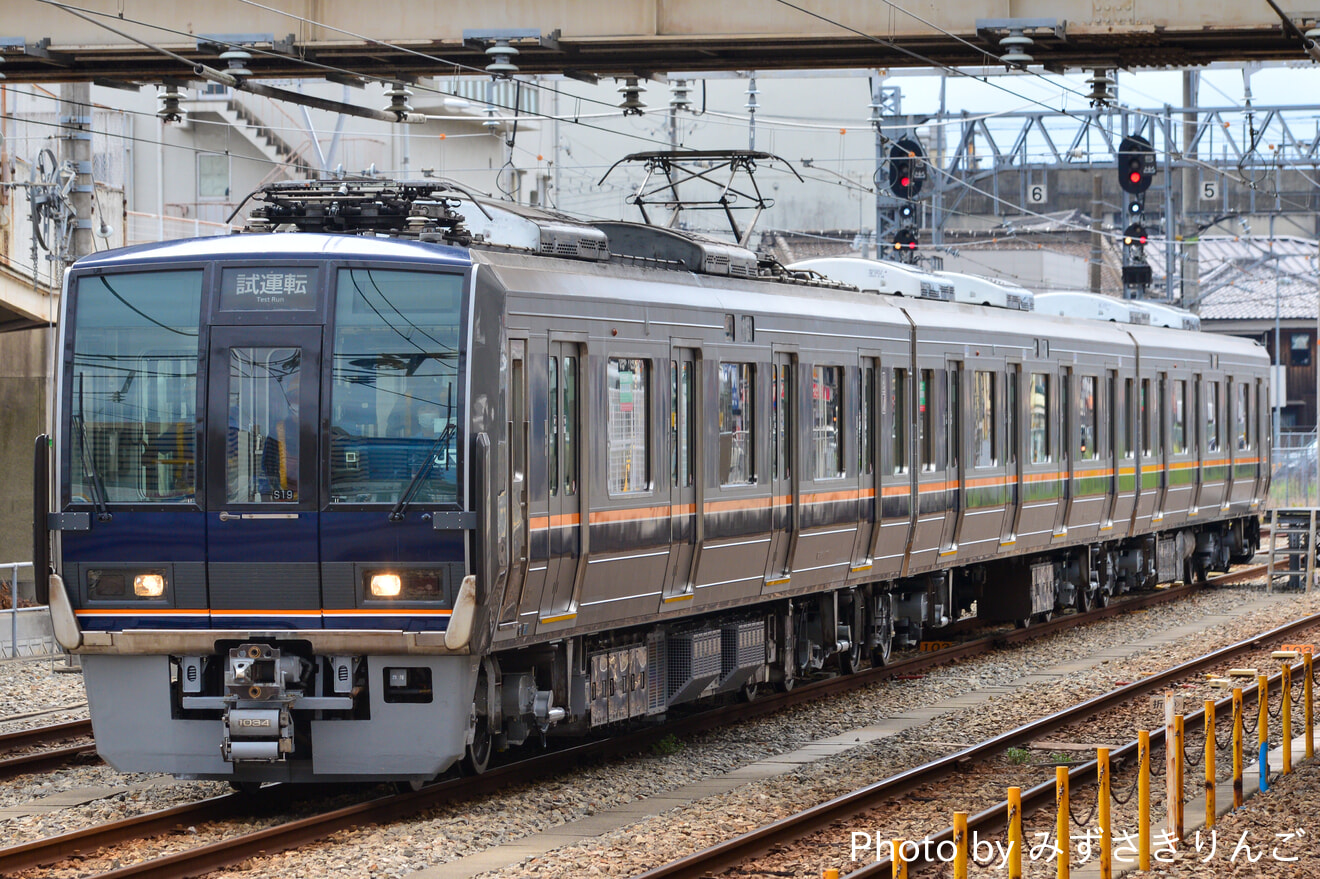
column 268, row 288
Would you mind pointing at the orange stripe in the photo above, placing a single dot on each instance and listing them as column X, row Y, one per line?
column 895, row 490
column 1042, row 477
column 124, row 611
column 732, row 506
column 630, row 515
column 826, row 497
column 401, row 611
column 265, row 613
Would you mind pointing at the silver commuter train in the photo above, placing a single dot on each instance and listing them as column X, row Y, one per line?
column 633, row 469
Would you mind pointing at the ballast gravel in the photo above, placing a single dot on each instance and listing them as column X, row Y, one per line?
column 449, row 833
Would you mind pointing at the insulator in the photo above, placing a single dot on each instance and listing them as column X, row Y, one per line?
column 678, row 95
column 501, row 57
column 398, row 94
column 1015, row 46
column 237, row 60
column 169, row 104
column 2, row 75
column 1102, row 88
column 631, row 92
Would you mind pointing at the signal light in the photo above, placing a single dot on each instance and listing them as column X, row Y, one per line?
column 905, row 239
column 907, row 168
column 1135, row 235
column 1136, row 164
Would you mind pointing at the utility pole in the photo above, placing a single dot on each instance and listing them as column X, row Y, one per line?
column 1097, row 237
column 76, row 149
column 1191, row 269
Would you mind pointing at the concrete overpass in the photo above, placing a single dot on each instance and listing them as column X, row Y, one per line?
column 45, row 42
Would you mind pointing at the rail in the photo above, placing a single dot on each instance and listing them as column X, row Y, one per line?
column 43, row 852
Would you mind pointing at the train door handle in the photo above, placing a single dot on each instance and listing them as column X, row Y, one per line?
column 225, row 516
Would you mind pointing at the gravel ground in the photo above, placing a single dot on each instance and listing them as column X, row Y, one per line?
column 445, row 834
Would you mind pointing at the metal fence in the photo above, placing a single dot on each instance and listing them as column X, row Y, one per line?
column 1294, row 482
column 28, row 631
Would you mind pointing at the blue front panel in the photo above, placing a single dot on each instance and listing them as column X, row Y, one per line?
column 356, row 544
column 172, row 542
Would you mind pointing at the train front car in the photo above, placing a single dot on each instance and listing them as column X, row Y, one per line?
column 265, row 469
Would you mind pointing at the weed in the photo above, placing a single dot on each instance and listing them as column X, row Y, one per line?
column 1018, row 756
column 667, row 747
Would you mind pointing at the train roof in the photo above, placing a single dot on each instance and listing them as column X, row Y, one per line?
column 280, row 245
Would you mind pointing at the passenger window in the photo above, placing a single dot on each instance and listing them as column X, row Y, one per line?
column 1243, row 417
column 1178, row 417
column 1087, row 446
column 552, row 429
column 737, row 423
column 570, row 425
column 681, row 417
column 866, row 422
column 898, row 426
column 1151, row 427
column 1011, row 415
column 827, row 421
column 984, row 453
column 1040, row 418
column 628, row 381
column 1212, row 417
column 926, row 410
column 1124, row 424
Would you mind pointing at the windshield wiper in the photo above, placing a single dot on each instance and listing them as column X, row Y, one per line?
column 91, row 474
column 446, row 435
column 396, row 514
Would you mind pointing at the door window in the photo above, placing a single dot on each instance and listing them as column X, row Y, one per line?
column 261, row 440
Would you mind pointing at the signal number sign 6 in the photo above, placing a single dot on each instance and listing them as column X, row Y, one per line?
column 1038, row 193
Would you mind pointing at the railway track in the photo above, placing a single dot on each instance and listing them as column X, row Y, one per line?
column 50, row 758
column 197, row 861
column 789, row 830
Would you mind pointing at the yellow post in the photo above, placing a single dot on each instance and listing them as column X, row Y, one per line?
column 1307, row 711
column 1061, row 825
column 1210, row 763
column 1179, row 768
column 1143, row 799
column 1102, row 809
column 1263, row 730
column 831, row 873
column 1285, row 718
column 898, row 860
column 959, row 845
column 1237, row 747
column 1015, row 833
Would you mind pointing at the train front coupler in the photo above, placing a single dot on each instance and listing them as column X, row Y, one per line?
column 261, row 686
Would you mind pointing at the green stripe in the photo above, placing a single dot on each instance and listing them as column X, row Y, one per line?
column 1091, row 485
column 1045, row 490
column 1150, row 479
column 1182, row 477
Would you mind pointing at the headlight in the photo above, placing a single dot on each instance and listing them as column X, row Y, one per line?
column 149, row 585
column 126, row 585
column 407, row 584
column 385, row 585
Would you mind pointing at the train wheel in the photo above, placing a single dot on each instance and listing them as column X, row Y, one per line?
column 1083, row 600
column 853, row 659
column 884, row 631
column 477, row 757
column 749, row 691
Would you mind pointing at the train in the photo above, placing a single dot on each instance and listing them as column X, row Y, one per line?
column 402, row 476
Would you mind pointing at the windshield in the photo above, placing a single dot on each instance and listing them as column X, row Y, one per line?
column 395, row 398
column 133, row 387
